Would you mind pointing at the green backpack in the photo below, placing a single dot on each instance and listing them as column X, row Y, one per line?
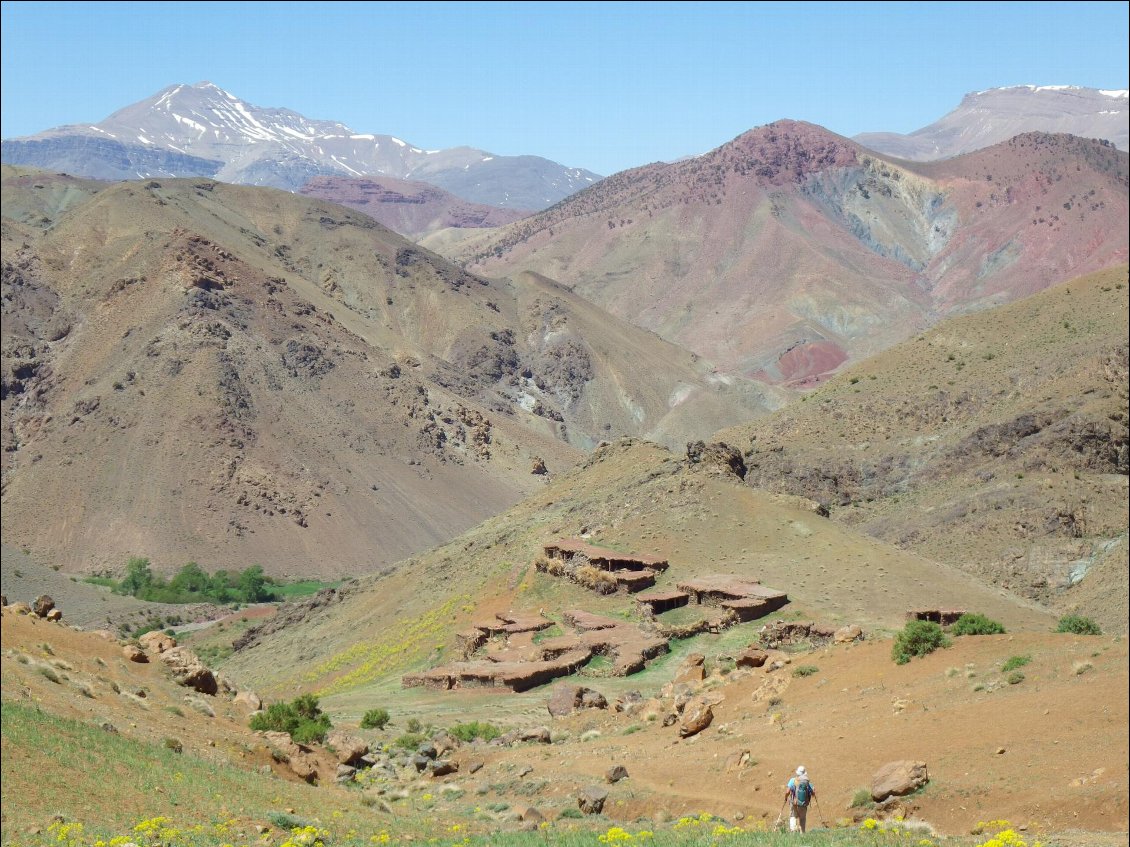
column 802, row 791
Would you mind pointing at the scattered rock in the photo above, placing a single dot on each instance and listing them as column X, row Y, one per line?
column 19, row 609
column 54, row 615
column 696, row 717
column 420, row 762
column 737, row 760
column 345, row 773
column 475, row 767
column 898, row 779
column 443, row 767
column 615, row 774
column 625, row 701
column 539, row 734
column 591, row 800
column 42, row 605
column 693, row 669
column 538, row 467
column 134, row 654
column 848, row 634
column 753, row 657
column 529, row 813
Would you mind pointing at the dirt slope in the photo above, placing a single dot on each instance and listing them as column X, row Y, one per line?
column 996, row 442
column 238, row 375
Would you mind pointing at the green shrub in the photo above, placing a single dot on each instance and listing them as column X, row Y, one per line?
column 475, row 729
column 410, row 740
column 1015, row 677
column 1078, row 625
column 805, row 670
column 972, row 623
column 1014, row 662
column 375, row 719
column 302, row 719
column 414, row 725
column 862, row 797
column 571, row 812
column 918, row 638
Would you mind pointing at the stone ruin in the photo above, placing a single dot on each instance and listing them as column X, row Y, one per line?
column 614, row 571
column 504, row 652
column 943, row 617
column 515, row 662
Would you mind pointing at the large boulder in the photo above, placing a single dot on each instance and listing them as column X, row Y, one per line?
column 615, row 773
column 591, row 800
column 348, row 749
column 696, row 717
column 189, row 671
column 693, row 669
column 157, row 642
column 249, row 700
column 539, row 734
column 134, row 653
column 897, row 779
column 567, row 698
column 54, row 615
column 848, row 634
column 752, row 657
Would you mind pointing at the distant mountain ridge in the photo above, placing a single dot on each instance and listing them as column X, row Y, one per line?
column 790, row 250
column 410, row 208
column 985, row 118
column 202, row 130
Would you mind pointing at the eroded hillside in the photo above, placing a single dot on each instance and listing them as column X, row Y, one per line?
column 996, row 442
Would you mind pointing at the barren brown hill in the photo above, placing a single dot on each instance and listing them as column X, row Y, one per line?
column 197, row 371
column 790, row 250
column 996, row 442
column 412, row 209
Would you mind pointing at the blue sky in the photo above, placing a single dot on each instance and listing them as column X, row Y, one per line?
column 604, row 86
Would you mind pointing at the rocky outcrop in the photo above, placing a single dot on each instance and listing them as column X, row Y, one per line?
column 897, row 779
column 591, row 800
column 189, row 671
column 718, row 457
column 156, row 642
column 42, row 605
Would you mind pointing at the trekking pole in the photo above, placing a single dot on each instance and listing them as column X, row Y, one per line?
column 819, row 811
column 777, row 823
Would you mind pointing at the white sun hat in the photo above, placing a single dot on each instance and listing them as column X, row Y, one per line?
column 800, row 771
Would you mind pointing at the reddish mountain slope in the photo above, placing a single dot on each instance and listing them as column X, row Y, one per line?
column 790, row 249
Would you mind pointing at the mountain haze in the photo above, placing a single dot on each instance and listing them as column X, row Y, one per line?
column 202, row 130
column 985, row 118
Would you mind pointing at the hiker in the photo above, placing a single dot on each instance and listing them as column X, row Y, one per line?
column 799, row 794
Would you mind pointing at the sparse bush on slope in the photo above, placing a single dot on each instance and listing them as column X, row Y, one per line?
column 972, row 623
column 918, row 638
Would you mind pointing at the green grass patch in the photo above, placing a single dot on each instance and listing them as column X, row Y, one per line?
column 1014, row 662
column 805, row 670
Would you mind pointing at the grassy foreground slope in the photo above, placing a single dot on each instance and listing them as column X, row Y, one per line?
column 996, row 442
